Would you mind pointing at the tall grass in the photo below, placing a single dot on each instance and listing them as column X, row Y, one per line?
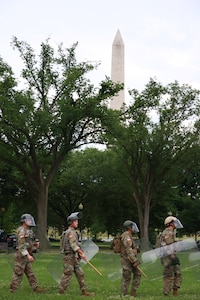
column 48, row 262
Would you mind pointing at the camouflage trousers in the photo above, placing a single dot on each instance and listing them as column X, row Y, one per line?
column 22, row 266
column 172, row 278
column 72, row 265
column 127, row 271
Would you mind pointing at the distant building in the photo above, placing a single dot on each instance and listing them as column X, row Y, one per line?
column 117, row 70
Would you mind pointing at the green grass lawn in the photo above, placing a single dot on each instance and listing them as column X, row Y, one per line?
column 48, row 267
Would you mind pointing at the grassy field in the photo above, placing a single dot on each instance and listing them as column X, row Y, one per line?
column 48, row 268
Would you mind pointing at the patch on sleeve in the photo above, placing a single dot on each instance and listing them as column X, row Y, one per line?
column 21, row 234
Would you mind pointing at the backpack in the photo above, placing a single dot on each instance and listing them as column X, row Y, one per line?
column 116, row 244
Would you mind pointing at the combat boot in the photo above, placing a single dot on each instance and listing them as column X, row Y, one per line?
column 39, row 290
column 85, row 293
column 175, row 292
column 133, row 293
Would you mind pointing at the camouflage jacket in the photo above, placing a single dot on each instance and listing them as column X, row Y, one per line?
column 25, row 240
column 69, row 241
column 131, row 249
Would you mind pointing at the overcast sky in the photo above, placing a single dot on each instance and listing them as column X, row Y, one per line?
column 161, row 38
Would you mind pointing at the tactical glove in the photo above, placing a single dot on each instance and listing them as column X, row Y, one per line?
column 175, row 261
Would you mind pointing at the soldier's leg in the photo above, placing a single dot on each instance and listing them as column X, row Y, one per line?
column 31, row 276
column 126, row 278
column 80, row 277
column 20, row 263
column 168, row 279
column 67, row 274
column 136, row 280
column 177, row 278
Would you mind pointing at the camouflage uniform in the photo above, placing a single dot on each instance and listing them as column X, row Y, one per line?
column 25, row 245
column 172, row 276
column 128, row 257
column 69, row 246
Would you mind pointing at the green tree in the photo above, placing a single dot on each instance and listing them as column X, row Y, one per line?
column 157, row 131
column 189, row 191
column 57, row 110
column 91, row 177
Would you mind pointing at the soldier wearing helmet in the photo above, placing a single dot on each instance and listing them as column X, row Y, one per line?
column 172, row 276
column 72, row 255
column 23, row 256
column 173, row 221
column 129, row 259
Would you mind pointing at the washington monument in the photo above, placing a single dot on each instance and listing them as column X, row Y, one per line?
column 117, row 70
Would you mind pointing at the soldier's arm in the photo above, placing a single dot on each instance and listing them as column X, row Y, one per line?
column 22, row 245
column 130, row 252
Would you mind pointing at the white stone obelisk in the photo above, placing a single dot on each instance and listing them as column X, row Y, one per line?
column 117, row 70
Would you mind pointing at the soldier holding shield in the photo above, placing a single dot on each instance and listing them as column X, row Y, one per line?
column 72, row 255
column 172, row 276
column 129, row 259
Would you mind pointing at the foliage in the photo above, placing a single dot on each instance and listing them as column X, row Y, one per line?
column 57, row 110
column 93, row 178
column 156, row 134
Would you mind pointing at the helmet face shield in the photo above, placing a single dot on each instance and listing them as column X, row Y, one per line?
column 74, row 216
column 28, row 220
column 178, row 223
column 135, row 227
column 130, row 224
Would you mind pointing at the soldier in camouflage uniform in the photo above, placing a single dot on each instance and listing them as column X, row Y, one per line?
column 72, row 256
column 26, row 245
column 129, row 260
column 171, row 273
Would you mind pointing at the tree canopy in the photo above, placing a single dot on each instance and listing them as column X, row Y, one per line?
column 57, row 110
column 157, row 132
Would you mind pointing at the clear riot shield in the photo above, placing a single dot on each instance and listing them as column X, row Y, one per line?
column 90, row 249
column 152, row 259
column 112, row 266
column 179, row 246
column 55, row 267
column 194, row 259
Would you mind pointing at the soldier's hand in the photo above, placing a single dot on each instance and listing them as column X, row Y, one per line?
column 30, row 258
column 138, row 249
column 136, row 263
column 81, row 254
column 175, row 261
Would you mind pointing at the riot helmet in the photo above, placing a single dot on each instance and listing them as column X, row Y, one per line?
column 28, row 220
column 177, row 223
column 74, row 216
column 132, row 225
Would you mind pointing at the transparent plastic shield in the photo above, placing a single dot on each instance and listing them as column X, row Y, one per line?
column 90, row 249
column 112, row 265
column 194, row 259
column 153, row 270
column 55, row 267
column 184, row 250
column 179, row 246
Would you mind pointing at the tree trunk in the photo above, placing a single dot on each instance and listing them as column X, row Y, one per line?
column 41, row 232
column 143, row 206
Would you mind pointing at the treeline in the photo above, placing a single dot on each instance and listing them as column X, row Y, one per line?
column 149, row 165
